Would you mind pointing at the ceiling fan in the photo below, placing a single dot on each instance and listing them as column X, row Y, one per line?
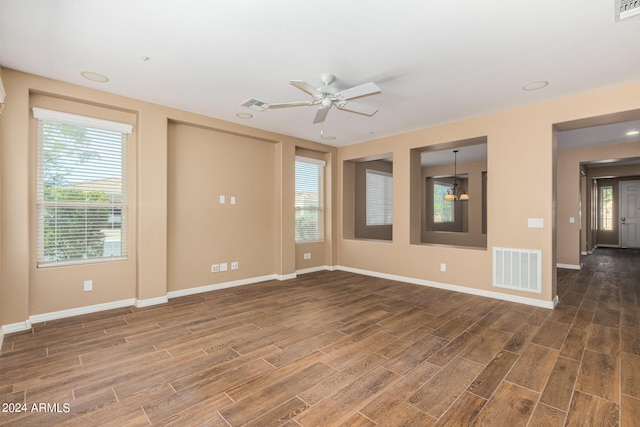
column 325, row 97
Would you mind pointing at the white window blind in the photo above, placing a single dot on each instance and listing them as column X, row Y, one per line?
column 82, row 199
column 379, row 197
column 308, row 200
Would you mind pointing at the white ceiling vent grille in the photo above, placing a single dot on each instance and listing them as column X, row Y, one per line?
column 518, row 269
column 627, row 8
column 255, row 104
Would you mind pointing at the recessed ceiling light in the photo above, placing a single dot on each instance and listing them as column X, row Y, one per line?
column 145, row 58
column 633, row 132
column 535, row 85
column 244, row 115
column 328, row 138
column 94, row 77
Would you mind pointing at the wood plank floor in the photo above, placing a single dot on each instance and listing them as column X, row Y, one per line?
column 339, row 349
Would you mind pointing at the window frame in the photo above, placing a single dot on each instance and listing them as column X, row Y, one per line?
column 319, row 209
column 116, row 202
column 450, row 202
column 609, row 217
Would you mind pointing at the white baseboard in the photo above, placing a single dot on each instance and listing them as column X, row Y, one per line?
column 584, row 253
column 151, row 301
column 463, row 289
column 569, row 266
column 315, row 269
column 217, row 286
column 13, row 327
column 38, row 318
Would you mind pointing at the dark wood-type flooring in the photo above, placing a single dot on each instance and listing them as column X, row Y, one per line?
column 335, row 348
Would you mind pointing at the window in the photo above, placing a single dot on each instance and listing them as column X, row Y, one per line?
column 309, row 173
column 606, row 208
column 82, row 204
column 379, row 197
column 442, row 209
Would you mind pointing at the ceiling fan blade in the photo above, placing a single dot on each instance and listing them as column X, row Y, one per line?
column 321, row 115
column 304, row 86
column 290, row 104
column 358, row 91
column 356, row 107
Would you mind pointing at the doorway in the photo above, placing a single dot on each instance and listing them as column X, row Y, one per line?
column 629, row 213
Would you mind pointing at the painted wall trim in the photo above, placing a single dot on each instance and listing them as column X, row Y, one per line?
column 584, row 253
column 13, row 327
column 315, row 269
column 38, row 318
column 489, row 294
column 224, row 285
column 569, row 266
column 285, row 276
column 151, row 301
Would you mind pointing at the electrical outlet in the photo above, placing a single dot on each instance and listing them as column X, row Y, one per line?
column 215, row 268
column 443, row 267
column 223, row 266
column 307, row 255
column 234, row 265
column 88, row 285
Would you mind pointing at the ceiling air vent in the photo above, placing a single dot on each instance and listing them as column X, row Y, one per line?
column 255, row 104
column 627, row 8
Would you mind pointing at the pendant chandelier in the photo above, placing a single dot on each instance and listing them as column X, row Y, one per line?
column 456, row 193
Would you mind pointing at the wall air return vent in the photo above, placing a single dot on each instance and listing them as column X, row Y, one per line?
column 626, row 8
column 517, row 269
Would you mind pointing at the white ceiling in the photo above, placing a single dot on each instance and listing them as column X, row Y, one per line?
column 436, row 61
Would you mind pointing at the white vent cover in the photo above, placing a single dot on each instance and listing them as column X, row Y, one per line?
column 518, row 269
column 255, row 104
column 627, row 8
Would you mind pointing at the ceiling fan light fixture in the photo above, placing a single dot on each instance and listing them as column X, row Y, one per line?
column 456, row 193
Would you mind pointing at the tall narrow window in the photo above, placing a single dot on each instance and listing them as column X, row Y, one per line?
column 379, row 197
column 606, row 208
column 309, row 217
column 81, row 189
column 442, row 209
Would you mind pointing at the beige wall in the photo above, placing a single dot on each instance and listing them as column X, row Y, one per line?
column 203, row 165
column 517, row 190
column 521, row 184
column 569, row 195
column 26, row 290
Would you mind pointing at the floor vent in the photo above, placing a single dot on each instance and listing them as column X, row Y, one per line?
column 518, row 269
column 627, row 8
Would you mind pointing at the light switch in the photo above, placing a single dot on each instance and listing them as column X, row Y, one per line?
column 233, row 200
column 222, row 199
column 572, row 220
